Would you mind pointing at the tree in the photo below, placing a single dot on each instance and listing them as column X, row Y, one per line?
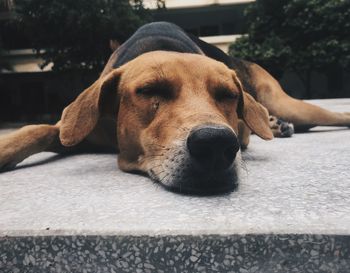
column 297, row 35
column 75, row 34
column 3, row 63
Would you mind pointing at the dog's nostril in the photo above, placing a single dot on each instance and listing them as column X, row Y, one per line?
column 213, row 147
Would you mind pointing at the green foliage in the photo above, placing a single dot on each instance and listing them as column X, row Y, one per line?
column 3, row 62
column 297, row 35
column 75, row 34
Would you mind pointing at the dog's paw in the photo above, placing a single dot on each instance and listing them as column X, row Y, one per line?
column 281, row 128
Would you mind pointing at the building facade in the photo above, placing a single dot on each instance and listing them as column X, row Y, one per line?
column 218, row 22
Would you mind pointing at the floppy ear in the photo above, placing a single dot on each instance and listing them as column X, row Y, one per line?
column 253, row 113
column 80, row 117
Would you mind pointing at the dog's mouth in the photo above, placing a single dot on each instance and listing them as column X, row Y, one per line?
column 194, row 183
column 179, row 173
column 204, row 162
column 205, row 184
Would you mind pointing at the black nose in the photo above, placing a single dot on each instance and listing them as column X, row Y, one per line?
column 213, row 147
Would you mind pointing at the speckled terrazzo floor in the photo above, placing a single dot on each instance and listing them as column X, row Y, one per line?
column 291, row 213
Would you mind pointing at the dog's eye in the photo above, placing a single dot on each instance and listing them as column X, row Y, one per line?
column 162, row 91
column 225, row 94
column 147, row 91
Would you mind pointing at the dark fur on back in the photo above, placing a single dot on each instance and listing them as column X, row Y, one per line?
column 169, row 37
column 155, row 36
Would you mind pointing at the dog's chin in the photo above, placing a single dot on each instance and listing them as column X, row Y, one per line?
column 203, row 184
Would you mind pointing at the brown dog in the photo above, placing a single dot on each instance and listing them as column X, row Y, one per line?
column 171, row 112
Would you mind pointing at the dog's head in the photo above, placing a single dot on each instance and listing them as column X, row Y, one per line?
column 177, row 119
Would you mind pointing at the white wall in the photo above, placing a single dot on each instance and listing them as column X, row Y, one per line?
column 193, row 3
column 223, row 41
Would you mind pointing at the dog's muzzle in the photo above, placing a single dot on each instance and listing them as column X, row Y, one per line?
column 206, row 162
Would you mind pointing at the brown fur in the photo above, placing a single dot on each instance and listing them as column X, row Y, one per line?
column 192, row 82
column 144, row 107
column 270, row 94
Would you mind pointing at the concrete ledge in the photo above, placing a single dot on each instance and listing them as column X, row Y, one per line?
column 241, row 254
column 291, row 213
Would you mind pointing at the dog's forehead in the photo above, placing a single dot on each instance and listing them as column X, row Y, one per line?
column 174, row 64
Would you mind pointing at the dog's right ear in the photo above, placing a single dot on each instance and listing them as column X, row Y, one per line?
column 80, row 117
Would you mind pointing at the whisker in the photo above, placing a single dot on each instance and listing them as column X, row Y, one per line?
column 154, row 144
column 159, row 173
column 163, row 178
column 153, row 156
column 156, row 166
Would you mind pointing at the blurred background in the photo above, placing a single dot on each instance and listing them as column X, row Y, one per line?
column 51, row 50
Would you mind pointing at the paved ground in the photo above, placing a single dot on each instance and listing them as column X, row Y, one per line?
column 293, row 202
column 295, row 185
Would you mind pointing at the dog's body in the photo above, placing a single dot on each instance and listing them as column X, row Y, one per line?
column 175, row 108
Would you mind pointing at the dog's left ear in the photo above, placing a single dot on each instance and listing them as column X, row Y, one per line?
column 80, row 117
column 253, row 113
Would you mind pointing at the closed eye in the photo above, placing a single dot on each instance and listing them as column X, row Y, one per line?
column 162, row 90
column 225, row 94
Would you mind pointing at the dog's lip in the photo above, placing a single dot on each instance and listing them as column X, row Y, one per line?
column 189, row 180
column 201, row 187
column 205, row 191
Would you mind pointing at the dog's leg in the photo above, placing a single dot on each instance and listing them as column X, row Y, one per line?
column 302, row 114
column 32, row 139
column 29, row 140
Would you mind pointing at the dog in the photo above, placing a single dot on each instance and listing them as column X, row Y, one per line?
column 176, row 109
